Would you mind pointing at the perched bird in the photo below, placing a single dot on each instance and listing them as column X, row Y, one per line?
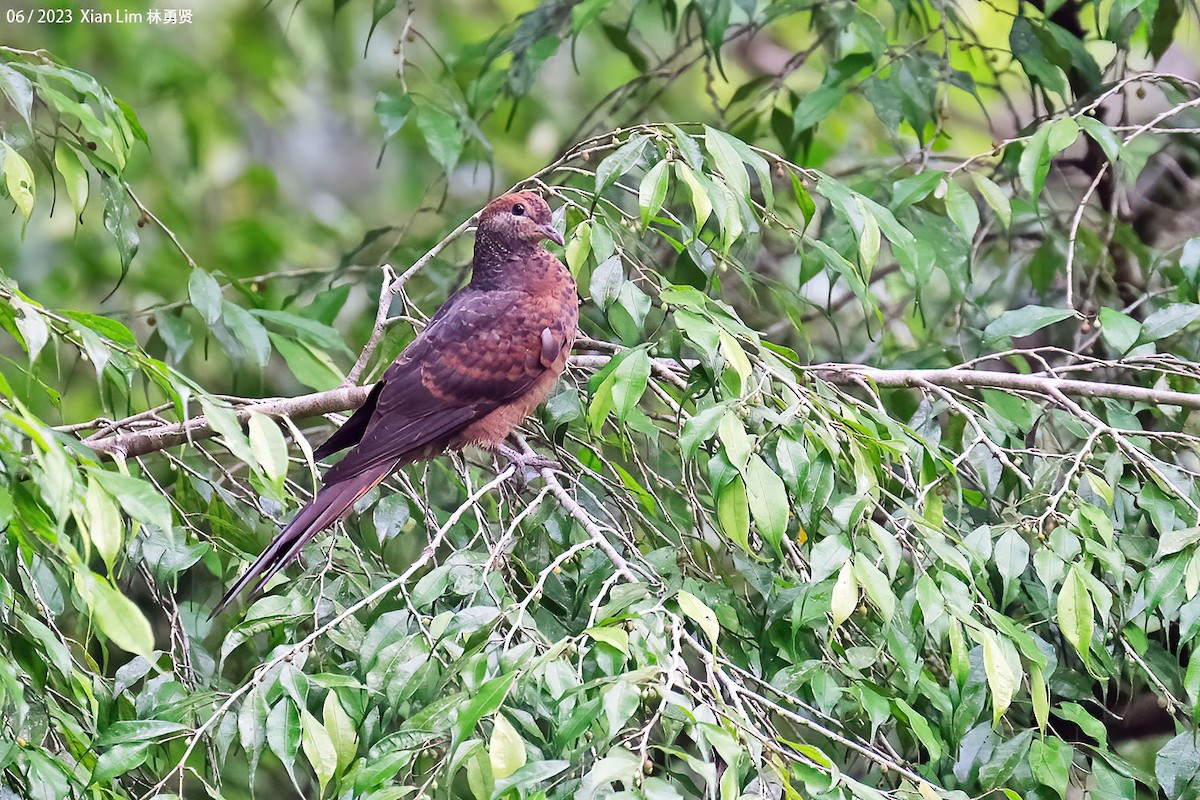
column 490, row 355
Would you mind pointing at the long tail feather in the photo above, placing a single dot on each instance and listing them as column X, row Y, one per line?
column 331, row 504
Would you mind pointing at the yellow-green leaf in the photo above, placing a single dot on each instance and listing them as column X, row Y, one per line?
column 701, row 204
column 1039, row 693
column 768, row 501
column 269, row 446
column 116, row 615
column 506, row 748
column 73, row 174
column 845, row 595
column 994, row 196
column 733, row 512
column 653, row 191
column 103, row 523
column 318, row 748
column 1075, row 615
column 696, row 610
column 341, row 729
column 18, row 177
column 1000, row 677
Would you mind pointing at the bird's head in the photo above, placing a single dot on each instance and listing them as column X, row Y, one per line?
column 523, row 216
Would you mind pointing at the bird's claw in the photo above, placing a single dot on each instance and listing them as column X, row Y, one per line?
column 526, row 466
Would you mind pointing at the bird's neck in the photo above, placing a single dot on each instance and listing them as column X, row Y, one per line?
column 491, row 266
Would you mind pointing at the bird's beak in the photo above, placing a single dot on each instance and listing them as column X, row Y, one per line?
column 553, row 235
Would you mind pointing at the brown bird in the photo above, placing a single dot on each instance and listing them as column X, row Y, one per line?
column 490, row 355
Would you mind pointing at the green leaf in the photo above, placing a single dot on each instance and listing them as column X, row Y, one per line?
column 314, row 368
column 1170, row 320
column 1075, row 616
column 1108, row 784
column 768, row 502
column 1073, row 712
column 252, row 726
column 994, row 196
column 1103, row 135
column 621, row 161
column 816, row 106
column 735, row 356
column 489, row 698
column 620, row 701
column 1039, row 696
column 137, row 497
column 1176, row 540
column 653, row 190
column 442, row 134
column 869, row 241
column 120, row 221
column 283, row 732
column 534, row 774
column 962, row 209
column 129, row 731
column 1050, row 760
column 1120, row 332
column 392, row 111
column 876, row 585
column 390, row 516
column 1040, row 149
column 116, row 615
column 733, row 512
column 738, row 446
column 131, row 119
column 701, row 428
column 1177, row 766
column 695, row 609
column 225, row 422
column 920, row 726
column 727, row 160
column 108, row 328
column 1011, row 557
column 19, row 91
column 1024, row 321
column 629, row 381
column 318, row 749
column 506, row 749
column 606, row 281
column 118, row 760
column 1035, row 53
column 32, row 326
column 205, row 295
column 612, row 636
column 249, row 336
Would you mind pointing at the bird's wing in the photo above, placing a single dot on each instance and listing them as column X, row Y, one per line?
column 483, row 349
column 352, row 430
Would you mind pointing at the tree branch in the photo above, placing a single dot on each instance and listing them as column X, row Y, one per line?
column 984, row 379
column 162, row 436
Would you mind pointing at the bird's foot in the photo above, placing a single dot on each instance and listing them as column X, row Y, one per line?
column 526, row 465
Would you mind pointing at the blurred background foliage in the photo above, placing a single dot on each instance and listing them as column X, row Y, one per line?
column 955, row 558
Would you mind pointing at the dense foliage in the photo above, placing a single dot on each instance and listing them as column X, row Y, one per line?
column 879, row 450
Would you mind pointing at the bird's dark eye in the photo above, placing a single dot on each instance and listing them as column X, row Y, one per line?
column 519, row 210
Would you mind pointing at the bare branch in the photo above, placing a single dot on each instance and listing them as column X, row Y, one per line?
column 136, row 443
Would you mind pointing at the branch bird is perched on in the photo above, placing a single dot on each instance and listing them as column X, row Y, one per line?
column 490, row 355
